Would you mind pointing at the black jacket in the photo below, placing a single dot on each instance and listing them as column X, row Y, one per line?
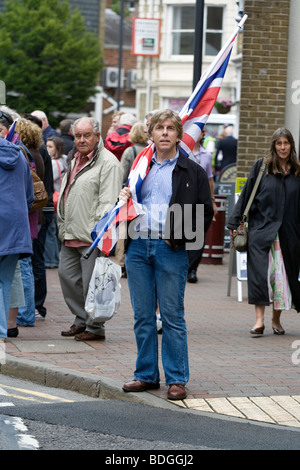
column 228, row 147
column 68, row 142
column 189, row 188
column 48, row 179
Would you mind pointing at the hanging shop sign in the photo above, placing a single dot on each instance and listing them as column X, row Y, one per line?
column 146, row 37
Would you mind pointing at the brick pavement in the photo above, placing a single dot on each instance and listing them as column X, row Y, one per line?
column 226, row 362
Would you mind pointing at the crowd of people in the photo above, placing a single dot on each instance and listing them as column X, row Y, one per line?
column 84, row 175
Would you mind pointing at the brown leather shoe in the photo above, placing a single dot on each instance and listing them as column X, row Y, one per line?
column 139, row 386
column 74, row 330
column 176, row 392
column 88, row 336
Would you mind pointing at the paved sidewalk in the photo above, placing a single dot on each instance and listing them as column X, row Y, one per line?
column 231, row 372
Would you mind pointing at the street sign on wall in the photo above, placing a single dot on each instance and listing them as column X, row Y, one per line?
column 146, row 37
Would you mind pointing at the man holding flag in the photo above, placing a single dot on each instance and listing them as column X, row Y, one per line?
column 156, row 259
column 161, row 174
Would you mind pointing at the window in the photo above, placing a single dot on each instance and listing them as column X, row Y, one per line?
column 213, row 30
column 182, row 29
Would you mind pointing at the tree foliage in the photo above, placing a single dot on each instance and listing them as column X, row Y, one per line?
column 48, row 59
column 116, row 7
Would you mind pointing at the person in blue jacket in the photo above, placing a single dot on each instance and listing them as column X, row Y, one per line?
column 15, row 202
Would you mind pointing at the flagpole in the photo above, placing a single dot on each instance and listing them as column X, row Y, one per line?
column 100, row 235
column 213, row 64
column 231, row 38
column 227, row 44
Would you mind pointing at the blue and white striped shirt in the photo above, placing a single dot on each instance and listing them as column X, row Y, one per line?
column 156, row 194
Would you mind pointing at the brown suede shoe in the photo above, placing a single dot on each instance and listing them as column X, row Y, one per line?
column 74, row 330
column 139, row 386
column 88, row 336
column 176, row 392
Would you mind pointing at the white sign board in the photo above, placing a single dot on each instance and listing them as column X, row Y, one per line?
column 241, row 266
column 145, row 37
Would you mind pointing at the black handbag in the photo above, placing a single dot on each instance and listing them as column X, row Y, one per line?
column 240, row 237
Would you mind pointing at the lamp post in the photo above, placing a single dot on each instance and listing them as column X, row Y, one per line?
column 198, row 41
column 120, row 54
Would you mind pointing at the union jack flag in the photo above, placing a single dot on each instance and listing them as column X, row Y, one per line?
column 197, row 109
column 105, row 232
column 194, row 115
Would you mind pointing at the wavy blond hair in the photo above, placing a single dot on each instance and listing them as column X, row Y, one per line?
column 30, row 133
column 137, row 133
column 161, row 116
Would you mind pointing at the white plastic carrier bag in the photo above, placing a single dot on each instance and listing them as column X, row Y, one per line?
column 104, row 294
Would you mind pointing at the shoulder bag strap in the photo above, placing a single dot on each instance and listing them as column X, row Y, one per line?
column 259, row 176
column 25, row 153
column 59, row 170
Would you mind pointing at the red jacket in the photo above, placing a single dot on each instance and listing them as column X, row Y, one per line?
column 118, row 141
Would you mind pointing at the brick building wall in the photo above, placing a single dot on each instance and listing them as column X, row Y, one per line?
column 111, row 59
column 264, row 78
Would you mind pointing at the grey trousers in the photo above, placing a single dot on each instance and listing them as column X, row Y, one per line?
column 74, row 274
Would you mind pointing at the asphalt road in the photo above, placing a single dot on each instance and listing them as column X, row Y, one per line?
column 61, row 420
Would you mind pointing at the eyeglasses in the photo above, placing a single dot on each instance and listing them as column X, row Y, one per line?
column 6, row 116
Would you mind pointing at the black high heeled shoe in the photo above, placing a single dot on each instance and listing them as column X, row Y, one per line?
column 258, row 331
column 277, row 331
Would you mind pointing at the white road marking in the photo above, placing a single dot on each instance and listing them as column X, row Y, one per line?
column 25, row 441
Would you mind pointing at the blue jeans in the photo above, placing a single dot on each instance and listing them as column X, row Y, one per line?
column 26, row 315
column 8, row 265
column 157, row 277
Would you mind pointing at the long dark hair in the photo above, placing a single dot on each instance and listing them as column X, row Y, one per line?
column 59, row 146
column 272, row 159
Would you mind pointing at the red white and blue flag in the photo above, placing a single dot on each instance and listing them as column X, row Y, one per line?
column 105, row 233
column 194, row 116
column 197, row 109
